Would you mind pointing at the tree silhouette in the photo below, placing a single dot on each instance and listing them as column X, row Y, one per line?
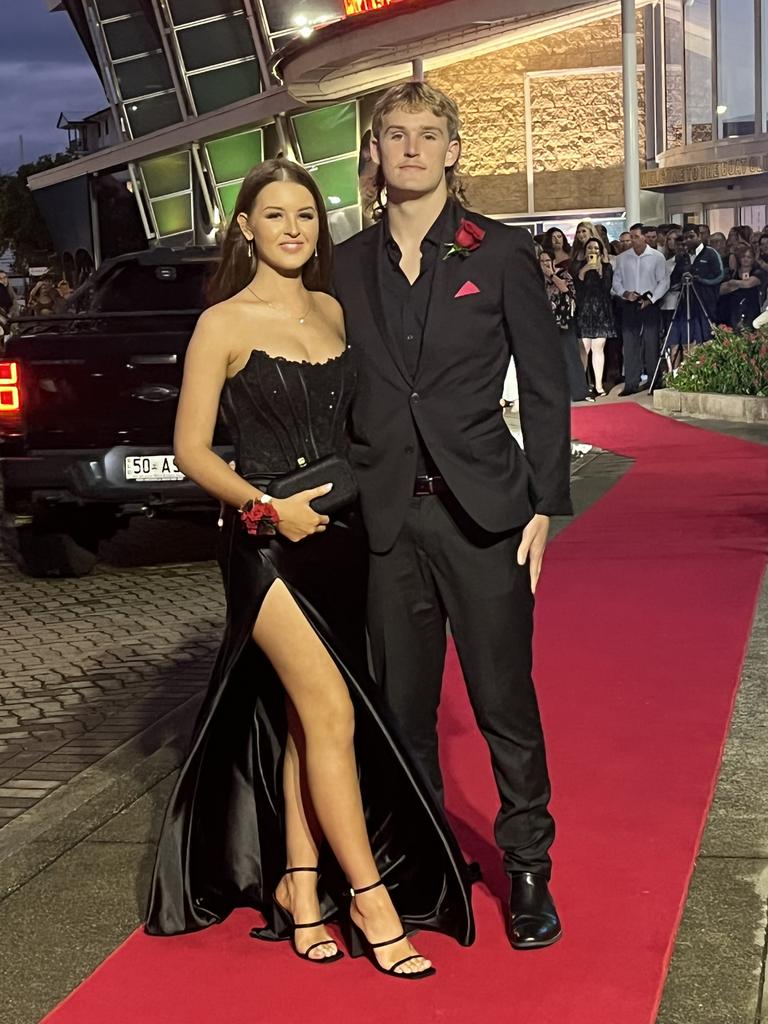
column 22, row 228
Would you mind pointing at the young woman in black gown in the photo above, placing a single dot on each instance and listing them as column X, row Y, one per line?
column 296, row 787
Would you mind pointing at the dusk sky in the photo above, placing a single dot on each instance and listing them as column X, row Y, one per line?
column 43, row 70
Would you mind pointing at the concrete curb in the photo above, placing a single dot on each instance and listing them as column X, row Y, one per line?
column 35, row 839
column 739, row 408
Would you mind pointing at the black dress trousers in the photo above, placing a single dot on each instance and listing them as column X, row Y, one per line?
column 641, row 339
column 444, row 567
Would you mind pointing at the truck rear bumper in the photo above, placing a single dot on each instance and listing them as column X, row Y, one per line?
column 99, row 476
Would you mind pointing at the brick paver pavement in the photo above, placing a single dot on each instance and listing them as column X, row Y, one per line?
column 87, row 663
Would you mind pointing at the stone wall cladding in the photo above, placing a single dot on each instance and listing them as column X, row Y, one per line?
column 576, row 121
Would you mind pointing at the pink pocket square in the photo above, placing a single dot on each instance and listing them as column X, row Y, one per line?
column 467, row 289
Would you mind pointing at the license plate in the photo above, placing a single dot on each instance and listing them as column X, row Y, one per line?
column 151, row 468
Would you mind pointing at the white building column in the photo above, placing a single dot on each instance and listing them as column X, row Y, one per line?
column 631, row 132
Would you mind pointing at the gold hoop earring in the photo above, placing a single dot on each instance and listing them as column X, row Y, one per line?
column 250, row 248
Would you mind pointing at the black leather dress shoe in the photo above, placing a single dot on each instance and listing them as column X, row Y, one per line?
column 533, row 922
column 627, row 392
column 475, row 872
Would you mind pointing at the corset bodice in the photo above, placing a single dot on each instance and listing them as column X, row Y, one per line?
column 277, row 410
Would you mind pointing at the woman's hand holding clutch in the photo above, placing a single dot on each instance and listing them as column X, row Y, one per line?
column 297, row 517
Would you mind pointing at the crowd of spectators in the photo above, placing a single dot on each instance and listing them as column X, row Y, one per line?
column 653, row 292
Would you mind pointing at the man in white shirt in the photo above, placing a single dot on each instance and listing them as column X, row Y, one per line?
column 640, row 279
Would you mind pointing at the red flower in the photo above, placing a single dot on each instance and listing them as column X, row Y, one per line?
column 466, row 240
column 259, row 519
column 469, row 236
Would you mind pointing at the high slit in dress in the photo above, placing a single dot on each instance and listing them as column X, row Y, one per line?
column 222, row 843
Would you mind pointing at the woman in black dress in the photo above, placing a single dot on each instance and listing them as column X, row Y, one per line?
column 562, row 298
column 293, row 763
column 594, row 306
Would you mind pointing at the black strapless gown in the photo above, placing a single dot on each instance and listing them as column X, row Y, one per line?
column 222, row 844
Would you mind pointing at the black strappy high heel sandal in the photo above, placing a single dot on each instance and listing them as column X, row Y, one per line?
column 285, row 928
column 358, row 945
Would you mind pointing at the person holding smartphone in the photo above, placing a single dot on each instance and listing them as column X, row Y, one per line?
column 594, row 309
column 741, row 294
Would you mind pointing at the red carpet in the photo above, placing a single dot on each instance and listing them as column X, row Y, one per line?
column 643, row 618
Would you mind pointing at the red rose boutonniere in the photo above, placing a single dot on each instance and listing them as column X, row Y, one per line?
column 466, row 240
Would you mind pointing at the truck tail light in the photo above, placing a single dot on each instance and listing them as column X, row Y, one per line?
column 10, row 394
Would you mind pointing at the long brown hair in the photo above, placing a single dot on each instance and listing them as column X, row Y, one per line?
column 237, row 268
column 415, row 96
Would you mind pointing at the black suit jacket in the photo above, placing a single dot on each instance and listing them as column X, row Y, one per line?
column 453, row 398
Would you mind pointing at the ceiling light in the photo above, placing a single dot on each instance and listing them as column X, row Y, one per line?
column 721, row 109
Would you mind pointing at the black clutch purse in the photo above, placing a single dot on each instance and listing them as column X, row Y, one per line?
column 310, row 473
column 332, row 469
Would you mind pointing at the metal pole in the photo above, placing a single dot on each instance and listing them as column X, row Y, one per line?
column 631, row 133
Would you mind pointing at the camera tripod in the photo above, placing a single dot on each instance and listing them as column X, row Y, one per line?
column 687, row 292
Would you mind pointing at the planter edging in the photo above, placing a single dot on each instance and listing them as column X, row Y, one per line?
column 740, row 408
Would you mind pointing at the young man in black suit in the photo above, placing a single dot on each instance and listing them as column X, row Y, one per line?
column 436, row 298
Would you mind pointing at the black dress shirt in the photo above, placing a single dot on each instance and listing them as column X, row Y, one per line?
column 405, row 305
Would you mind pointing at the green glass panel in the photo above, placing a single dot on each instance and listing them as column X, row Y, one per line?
column 114, row 8
column 173, row 215
column 130, row 36
column 153, row 114
column 166, row 174
column 232, row 157
column 228, row 196
column 215, row 42
column 215, row 89
column 144, row 75
column 327, row 132
column 337, row 182
column 185, row 11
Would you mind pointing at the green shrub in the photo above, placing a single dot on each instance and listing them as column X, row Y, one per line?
column 729, row 364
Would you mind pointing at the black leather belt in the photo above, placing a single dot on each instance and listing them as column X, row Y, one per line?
column 424, row 485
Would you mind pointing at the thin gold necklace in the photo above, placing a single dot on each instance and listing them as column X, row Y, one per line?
column 289, row 316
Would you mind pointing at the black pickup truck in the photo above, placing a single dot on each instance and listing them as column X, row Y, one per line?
column 87, row 405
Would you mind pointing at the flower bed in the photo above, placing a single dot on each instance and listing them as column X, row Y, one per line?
column 730, row 364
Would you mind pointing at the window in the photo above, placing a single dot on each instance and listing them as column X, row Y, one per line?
column 293, row 15
column 217, row 52
column 327, row 132
column 132, row 286
column 735, row 68
column 215, row 42
column 754, row 216
column 230, row 158
column 168, row 184
column 142, row 76
column 720, row 218
column 328, row 145
column 698, row 70
column 185, row 11
column 152, row 114
column 140, row 66
column 217, row 88
column 130, row 36
column 116, row 8
column 673, row 71
column 337, row 181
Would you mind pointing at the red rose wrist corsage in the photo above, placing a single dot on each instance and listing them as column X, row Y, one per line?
column 260, row 518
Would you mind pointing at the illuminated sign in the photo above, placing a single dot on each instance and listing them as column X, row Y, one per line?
column 352, row 7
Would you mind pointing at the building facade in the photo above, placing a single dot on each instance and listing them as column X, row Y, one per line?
column 199, row 91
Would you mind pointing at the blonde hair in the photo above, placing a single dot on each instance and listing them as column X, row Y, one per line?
column 415, row 96
column 580, row 247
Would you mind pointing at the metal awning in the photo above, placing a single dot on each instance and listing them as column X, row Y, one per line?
column 370, row 51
